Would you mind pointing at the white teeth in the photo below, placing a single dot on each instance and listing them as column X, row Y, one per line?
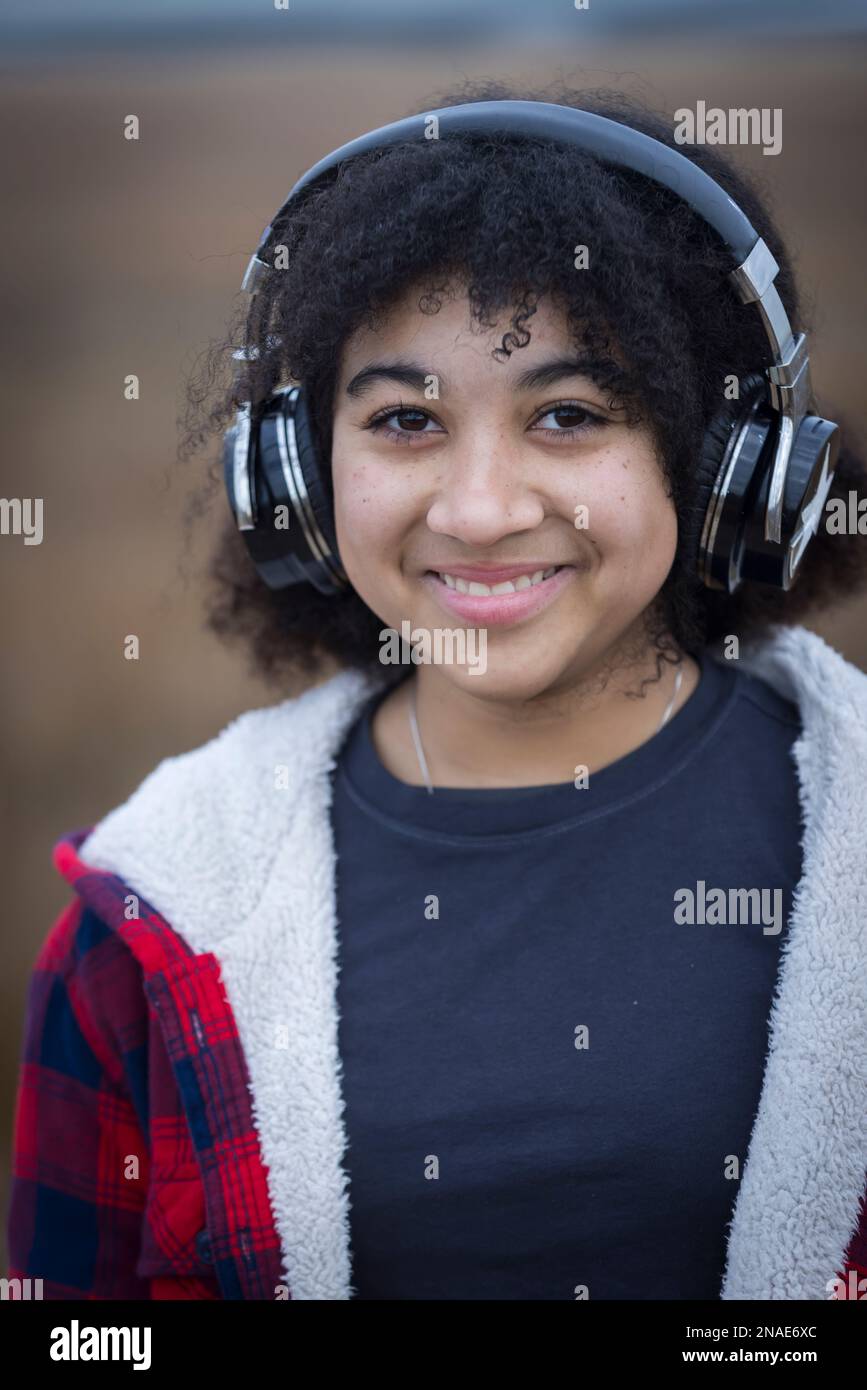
column 508, row 586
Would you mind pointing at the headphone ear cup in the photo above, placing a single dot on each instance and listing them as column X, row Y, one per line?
column 292, row 537
column 318, row 488
column 711, row 461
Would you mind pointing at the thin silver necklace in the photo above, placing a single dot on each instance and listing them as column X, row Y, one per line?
column 419, row 749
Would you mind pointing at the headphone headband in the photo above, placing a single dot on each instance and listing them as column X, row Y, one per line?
column 607, row 140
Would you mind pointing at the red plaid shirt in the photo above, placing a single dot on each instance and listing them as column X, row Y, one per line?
column 137, row 1167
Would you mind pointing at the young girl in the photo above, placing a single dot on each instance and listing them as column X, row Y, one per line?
column 521, row 956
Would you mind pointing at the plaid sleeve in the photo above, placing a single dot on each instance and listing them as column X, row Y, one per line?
column 853, row 1276
column 80, row 1155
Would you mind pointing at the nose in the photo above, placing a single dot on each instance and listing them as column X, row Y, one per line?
column 487, row 490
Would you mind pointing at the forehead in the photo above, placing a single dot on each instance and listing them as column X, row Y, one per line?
column 452, row 336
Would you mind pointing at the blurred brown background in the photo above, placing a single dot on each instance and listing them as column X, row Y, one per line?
column 125, row 257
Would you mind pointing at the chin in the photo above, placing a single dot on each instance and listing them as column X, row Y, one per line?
column 508, row 677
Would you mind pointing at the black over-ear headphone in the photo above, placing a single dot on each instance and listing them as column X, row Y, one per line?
column 766, row 465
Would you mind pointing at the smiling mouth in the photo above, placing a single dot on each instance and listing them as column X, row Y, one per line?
column 477, row 588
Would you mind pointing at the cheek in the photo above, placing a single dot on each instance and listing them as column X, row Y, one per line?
column 631, row 521
column 372, row 514
column 354, row 505
column 628, row 505
column 360, row 505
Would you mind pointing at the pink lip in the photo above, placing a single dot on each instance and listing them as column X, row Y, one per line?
column 497, row 610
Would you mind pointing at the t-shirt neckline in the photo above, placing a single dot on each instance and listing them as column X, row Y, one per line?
column 458, row 812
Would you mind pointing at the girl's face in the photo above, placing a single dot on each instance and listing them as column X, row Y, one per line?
column 447, row 461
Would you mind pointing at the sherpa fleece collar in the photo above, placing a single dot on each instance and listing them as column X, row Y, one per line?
column 232, row 844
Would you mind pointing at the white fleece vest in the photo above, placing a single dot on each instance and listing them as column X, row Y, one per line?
column 232, row 844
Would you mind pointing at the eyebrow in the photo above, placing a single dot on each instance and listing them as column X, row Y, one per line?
column 533, row 379
column 595, row 369
column 404, row 373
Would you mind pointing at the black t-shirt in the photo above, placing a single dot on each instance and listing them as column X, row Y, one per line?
column 553, row 1024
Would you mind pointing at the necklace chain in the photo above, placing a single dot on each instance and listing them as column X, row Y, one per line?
column 419, row 747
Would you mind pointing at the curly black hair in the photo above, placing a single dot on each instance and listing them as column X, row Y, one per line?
column 502, row 216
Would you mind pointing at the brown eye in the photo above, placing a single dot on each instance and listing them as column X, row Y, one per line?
column 410, row 419
column 409, row 423
column 570, row 419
